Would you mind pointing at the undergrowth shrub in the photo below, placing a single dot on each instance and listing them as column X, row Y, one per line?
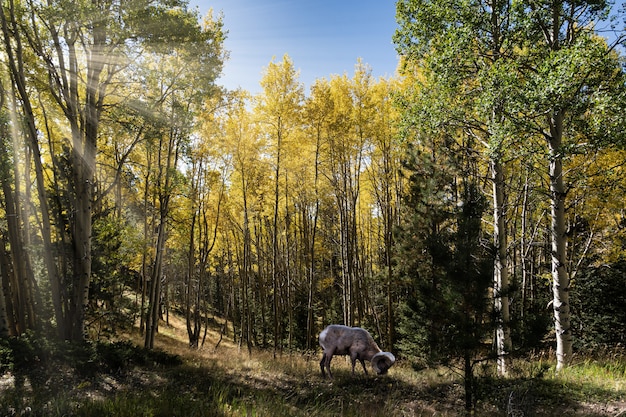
column 32, row 352
column 598, row 298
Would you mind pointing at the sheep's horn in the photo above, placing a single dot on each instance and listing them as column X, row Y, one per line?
column 382, row 361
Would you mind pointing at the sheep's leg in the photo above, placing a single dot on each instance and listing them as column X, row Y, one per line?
column 325, row 363
column 328, row 358
column 363, row 363
column 353, row 358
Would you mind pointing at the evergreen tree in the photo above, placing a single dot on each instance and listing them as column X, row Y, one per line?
column 445, row 266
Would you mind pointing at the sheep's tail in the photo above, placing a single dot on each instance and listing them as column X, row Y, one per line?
column 323, row 338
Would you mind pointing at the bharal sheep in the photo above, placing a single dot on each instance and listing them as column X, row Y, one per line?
column 356, row 342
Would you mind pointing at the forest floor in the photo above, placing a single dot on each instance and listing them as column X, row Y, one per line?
column 228, row 381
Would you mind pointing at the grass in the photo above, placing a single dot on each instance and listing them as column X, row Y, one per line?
column 123, row 380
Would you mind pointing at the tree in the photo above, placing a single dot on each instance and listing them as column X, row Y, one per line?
column 204, row 181
column 15, row 262
column 445, row 268
column 80, row 66
column 600, row 319
column 176, row 90
column 492, row 65
column 343, row 161
column 574, row 91
column 387, row 188
column 278, row 110
column 16, row 56
column 466, row 57
column 241, row 146
column 78, row 55
column 318, row 113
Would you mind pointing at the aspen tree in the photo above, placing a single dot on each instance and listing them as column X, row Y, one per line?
column 79, row 54
column 575, row 78
column 384, row 176
column 241, row 148
column 319, row 107
column 278, row 109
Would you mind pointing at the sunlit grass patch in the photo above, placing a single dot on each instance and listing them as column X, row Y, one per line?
column 596, row 377
column 534, row 387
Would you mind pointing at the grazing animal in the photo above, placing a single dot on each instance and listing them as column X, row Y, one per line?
column 355, row 342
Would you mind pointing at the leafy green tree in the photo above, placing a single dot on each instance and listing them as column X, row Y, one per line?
column 110, row 310
column 515, row 77
column 572, row 97
column 599, row 318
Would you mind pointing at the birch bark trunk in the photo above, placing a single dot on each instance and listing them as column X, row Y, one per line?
column 560, row 276
column 501, row 272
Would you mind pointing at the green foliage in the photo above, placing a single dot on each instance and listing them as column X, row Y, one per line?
column 26, row 353
column 529, row 331
column 110, row 310
column 124, row 354
column 6, row 356
column 584, row 79
column 513, row 77
column 37, row 356
column 159, row 23
column 598, row 302
column 447, row 271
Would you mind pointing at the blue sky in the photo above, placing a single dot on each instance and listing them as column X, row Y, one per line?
column 321, row 37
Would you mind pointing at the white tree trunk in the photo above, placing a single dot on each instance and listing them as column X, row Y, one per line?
column 500, row 272
column 560, row 276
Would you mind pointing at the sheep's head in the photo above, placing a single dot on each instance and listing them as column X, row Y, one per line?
column 382, row 361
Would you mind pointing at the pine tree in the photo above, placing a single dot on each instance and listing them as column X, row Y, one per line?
column 444, row 263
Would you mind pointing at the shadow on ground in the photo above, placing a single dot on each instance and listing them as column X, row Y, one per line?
column 120, row 379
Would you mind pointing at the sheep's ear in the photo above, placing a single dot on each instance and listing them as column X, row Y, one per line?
column 382, row 361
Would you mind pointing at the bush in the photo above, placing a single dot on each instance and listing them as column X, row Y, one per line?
column 598, row 299
column 32, row 354
column 6, row 356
